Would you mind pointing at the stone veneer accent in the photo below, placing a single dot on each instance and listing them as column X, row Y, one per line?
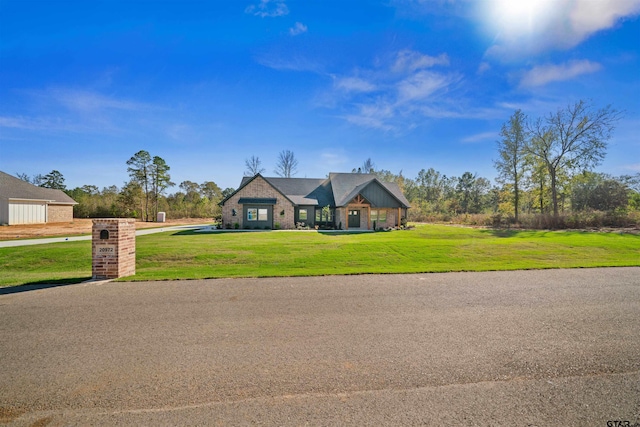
column 59, row 213
column 115, row 256
column 259, row 187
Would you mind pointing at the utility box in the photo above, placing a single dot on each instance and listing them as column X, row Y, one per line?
column 161, row 216
column 113, row 248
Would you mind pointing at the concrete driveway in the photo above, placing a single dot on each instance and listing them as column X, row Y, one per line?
column 553, row 347
column 142, row 232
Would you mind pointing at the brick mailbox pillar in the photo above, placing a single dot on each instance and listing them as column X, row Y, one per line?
column 113, row 248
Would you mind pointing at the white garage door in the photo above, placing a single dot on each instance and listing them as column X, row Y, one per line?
column 27, row 213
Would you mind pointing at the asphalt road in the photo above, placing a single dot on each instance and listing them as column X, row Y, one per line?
column 554, row 347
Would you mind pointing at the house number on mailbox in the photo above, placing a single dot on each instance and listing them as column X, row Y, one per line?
column 106, row 250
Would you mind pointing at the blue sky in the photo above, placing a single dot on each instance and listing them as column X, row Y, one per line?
column 206, row 84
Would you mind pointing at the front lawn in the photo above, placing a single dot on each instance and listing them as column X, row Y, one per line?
column 427, row 248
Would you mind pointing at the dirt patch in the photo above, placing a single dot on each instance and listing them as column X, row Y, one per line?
column 9, row 414
column 80, row 227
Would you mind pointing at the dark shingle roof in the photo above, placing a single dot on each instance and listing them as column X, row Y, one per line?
column 346, row 186
column 337, row 190
column 15, row 188
column 257, row 201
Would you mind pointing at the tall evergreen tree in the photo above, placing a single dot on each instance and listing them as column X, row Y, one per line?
column 140, row 172
column 160, row 180
column 53, row 179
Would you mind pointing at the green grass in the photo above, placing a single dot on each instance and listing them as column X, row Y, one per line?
column 427, row 248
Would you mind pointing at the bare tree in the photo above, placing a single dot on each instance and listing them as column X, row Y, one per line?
column 35, row 180
column 253, row 166
column 574, row 138
column 287, row 165
column 511, row 163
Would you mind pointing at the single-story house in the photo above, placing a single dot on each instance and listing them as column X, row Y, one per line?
column 343, row 201
column 25, row 203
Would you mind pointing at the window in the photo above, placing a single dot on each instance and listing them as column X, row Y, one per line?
column 324, row 215
column 302, row 215
column 255, row 214
column 379, row 215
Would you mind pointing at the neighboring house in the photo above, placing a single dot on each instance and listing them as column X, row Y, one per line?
column 25, row 203
column 344, row 200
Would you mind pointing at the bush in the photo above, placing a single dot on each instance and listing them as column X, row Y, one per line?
column 277, row 226
column 573, row 220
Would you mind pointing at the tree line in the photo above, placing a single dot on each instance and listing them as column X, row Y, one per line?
column 545, row 173
column 142, row 196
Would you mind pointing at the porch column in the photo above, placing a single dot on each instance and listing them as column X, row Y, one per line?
column 368, row 217
column 346, row 217
column 399, row 222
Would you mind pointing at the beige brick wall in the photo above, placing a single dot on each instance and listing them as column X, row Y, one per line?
column 259, row 188
column 59, row 213
column 391, row 221
column 122, row 238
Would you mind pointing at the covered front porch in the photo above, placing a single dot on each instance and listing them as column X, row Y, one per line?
column 359, row 214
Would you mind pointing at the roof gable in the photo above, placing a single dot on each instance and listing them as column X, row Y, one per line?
column 246, row 181
column 346, row 186
column 15, row 188
column 337, row 190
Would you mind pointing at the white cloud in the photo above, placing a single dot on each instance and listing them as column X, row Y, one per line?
column 49, row 124
column 293, row 63
column 354, row 84
column 541, row 75
column 268, row 9
column 590, row 16
column 81, row 100
column 373, row 115
column 392, row 95
column 409, row 61
column 299, row 28
column 421, row 85
column 333, row 158
column 483, row 67
column 480, row 137
column 530, row 27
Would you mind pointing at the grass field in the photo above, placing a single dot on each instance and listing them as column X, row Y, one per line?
column 426, row 248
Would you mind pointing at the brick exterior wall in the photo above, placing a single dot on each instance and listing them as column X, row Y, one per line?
column 392, row 219
column 115, row 256
column 59, row 213
column 259, row 188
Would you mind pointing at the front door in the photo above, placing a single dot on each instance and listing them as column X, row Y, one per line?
column 354, row 219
